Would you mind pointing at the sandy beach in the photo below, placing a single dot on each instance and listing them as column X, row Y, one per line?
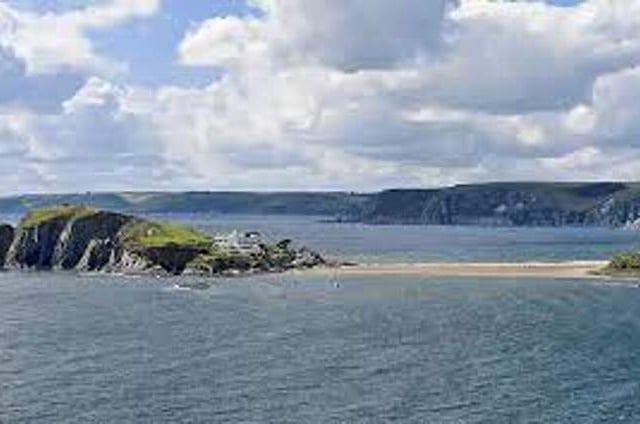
column 568, row 270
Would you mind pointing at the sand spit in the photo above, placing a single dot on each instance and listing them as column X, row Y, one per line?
column 568, row 270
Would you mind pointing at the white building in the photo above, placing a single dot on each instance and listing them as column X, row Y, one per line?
column 240, row 243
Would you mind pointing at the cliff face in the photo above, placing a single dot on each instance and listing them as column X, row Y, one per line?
column 84, row 241
column 76, row 238
column 509, row 204
column 6, row 238
column 90, row 242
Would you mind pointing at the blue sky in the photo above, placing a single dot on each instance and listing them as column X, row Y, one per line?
column 144, row 44
column 315, row 94
column 148, row 45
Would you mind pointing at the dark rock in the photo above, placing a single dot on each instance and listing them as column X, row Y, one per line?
column 172, row 259
column 305, row 258
column 6, row 238
column 95, row 235
column 98, row 255
column 34, row 247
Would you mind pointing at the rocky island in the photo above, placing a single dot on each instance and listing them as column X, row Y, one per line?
column 81, row 238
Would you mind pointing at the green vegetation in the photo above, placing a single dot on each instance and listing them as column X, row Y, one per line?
column 304, row 203
column 204, row 260
column 159, row 234
column 39, row 216
column 625, row 262
column 138, row 232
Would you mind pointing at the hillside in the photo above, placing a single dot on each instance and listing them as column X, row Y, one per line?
column 301, row 203
column 506, row 204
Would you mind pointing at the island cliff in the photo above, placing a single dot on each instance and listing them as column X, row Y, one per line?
column 85, row 239
column 6, row 238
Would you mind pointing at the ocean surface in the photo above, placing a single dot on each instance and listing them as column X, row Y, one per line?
column 303, row 349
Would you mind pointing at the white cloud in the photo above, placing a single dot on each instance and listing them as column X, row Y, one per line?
column 454, row 94
column 223, row 41
column 520, row 57
column 359, row 95
column 614, row 111
column 353, row 35
column 50, row 42
column 96, row 141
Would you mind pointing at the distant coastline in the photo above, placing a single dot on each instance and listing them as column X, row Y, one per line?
column 510, row 204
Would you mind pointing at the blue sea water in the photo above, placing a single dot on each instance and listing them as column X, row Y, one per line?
column 298, row 349
column 400, row 244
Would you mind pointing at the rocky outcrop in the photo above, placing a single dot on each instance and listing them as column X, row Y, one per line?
column 87, row 242
column 278, row 258
column 6, row 238
column 172, row 258
column 90, row 242
column 34, row 247
column 75, row 238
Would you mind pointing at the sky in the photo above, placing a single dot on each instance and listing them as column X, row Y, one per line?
column 358, row 95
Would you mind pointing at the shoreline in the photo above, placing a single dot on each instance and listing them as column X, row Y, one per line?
column 556, row 270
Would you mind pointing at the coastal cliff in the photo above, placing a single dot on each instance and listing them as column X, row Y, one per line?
column 508, row 204
column 84, row 239
column 6, row 238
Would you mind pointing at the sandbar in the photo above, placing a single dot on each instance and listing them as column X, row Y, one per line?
column 560, row 270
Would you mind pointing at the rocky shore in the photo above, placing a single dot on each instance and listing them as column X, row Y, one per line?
column 85, row 239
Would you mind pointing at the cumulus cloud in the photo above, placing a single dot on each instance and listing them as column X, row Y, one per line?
column 51, row 42
column 520, row 57
column 613, row 114
column 352, row 35
column 95, row 140
column 358, row 94
column 439, row 88
column 226, row 41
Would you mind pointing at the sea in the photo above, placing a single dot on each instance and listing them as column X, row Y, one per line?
column 83, row 348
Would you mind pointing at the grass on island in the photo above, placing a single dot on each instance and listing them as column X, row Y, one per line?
column 625, row 262
column 38, row 216
column 206, row 259
column 141, row 233
column 159, row 234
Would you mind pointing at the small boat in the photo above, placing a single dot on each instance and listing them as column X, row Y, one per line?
column 194, row 285
column 335, row 280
